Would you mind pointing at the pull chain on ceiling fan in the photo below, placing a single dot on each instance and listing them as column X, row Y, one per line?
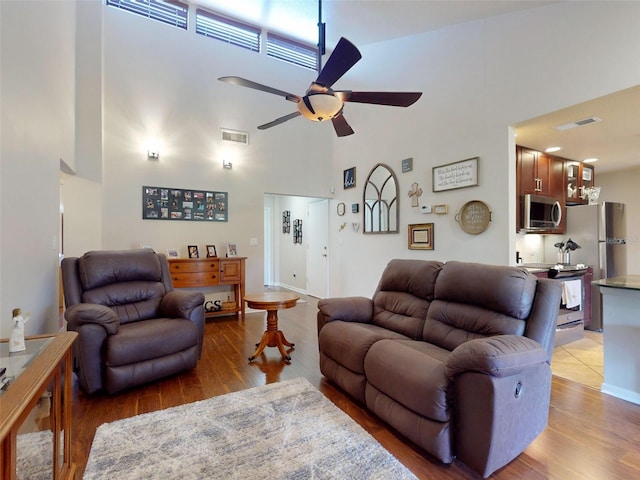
column 321, row 102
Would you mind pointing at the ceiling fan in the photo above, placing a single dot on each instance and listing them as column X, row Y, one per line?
column 321, row 102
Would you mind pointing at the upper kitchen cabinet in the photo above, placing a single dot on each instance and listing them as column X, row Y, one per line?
column 579, row 176
column 539, row 173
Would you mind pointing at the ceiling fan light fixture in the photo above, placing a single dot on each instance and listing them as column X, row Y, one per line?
column 319, row 107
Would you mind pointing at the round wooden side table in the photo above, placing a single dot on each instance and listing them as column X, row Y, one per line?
column 272, row 337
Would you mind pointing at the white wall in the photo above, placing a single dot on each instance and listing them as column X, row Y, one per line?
column 478, row 78
column 37, row 121
column 161, row 83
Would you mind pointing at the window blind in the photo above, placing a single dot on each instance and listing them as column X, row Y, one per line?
column 171, row 12
column 291, row 51
column 227, row 30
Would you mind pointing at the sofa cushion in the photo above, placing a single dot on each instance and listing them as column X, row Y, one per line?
column 149, row 339
column 449, row 324
column 348, row 342
column 507, row 290
column 402, row 297
column 103, row 267
column 475, row 300
column 411, row 373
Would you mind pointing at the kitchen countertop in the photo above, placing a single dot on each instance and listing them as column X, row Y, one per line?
column 545, row 267
column 628, row 282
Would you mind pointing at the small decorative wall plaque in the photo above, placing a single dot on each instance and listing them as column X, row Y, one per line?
column 349, row 178
column 421, row 236
column 474, row 217
column 407, row 165
column 414, row 194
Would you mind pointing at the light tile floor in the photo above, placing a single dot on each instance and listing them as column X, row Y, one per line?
column 581, row 361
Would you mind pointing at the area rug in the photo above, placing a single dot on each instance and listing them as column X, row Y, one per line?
column 286, row 430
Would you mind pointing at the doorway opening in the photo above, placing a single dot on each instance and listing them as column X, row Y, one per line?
column 296, row 244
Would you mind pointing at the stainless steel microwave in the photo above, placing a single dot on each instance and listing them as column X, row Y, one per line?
column 540, row 213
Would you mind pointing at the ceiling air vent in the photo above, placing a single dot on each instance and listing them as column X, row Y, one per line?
column 235, row 136
column 578, row 123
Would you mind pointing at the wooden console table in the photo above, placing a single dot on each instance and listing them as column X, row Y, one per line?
column 211, row 272
column 45, row 366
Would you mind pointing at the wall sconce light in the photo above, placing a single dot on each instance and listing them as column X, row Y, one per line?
column 227, row 164
column 153, row 154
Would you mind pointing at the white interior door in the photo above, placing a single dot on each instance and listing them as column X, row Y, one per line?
column 318, row 249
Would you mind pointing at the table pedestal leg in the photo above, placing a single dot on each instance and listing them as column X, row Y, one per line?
column 272, row 337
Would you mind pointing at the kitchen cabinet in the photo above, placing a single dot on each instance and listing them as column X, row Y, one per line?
column 535, row 172
column 578, row 177
column 539, row 174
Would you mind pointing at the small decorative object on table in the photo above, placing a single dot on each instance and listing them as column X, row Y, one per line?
column 211, row 251
column 16, row 341
column 232, row 251
column 193, row 251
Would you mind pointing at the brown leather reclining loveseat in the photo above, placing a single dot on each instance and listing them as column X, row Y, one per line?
column 455, row 356
column 133, row 327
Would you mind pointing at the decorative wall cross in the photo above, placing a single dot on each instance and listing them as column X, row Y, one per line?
column 414, row 193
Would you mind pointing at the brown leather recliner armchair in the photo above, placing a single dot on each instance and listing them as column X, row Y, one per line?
column 133, row 327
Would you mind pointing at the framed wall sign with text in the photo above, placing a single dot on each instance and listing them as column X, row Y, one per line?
column 349, row 178
column 456, row 175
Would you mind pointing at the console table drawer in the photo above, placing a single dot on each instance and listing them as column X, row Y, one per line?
column 194, row 279
column 177, row 266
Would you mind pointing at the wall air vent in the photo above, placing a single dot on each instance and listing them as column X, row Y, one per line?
column 578, row 123
column 234, row 136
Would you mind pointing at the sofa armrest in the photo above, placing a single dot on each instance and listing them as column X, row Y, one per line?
column 180, row 303
column 91, row 313
column 498, row 356
column 347, row 309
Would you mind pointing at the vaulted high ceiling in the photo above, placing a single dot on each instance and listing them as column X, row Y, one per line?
column 615, row 141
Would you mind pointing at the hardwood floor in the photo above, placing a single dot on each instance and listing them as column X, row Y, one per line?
column 590, row 435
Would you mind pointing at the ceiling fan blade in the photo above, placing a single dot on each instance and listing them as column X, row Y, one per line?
column 394, row 99
column 343, row 57
column 341, row 126
column 278, row 121
column 243, row 82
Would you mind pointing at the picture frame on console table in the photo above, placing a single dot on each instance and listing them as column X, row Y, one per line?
column 211, row 251
column 193, row 251
column 232, row 250
column 421, row 236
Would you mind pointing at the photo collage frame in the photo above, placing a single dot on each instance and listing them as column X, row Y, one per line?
column 164, row 203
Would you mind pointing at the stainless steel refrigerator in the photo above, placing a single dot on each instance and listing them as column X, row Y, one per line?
column 601, row 231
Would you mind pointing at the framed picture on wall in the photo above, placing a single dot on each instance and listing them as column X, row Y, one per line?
column 211, row 251
column 349, row 178
column 193, row 251
column 421, row 236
